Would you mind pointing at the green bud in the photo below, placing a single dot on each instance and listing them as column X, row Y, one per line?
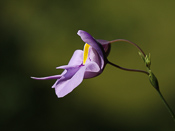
column 148, row 60
column 153, row 80
column 142, row 56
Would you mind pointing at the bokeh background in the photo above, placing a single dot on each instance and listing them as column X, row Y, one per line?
column 37, row 36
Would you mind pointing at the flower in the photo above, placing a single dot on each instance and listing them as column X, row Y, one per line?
column 86, row 63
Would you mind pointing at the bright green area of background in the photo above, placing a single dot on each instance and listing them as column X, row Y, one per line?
column 37, row 36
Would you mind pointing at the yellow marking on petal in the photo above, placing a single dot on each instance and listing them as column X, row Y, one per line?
column 86, row 51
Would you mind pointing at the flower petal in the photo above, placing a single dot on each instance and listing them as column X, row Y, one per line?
column 93, row 56
column 92, row 67
column 92, row 70
column 76, row 59
column 67, row 74
column 87, row 38
column 67, row 67
column 47, row 78
column 65, row 87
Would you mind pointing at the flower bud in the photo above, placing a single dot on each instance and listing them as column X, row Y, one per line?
column 153, row 80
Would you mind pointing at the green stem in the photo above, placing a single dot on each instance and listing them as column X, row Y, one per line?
column 167, row 106
column 126, row 69
column 118, row 40
column 153, row 79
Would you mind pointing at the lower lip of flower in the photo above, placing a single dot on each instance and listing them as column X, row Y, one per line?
column 86, row 51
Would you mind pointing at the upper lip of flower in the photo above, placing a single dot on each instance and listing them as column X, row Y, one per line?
column 87, row 38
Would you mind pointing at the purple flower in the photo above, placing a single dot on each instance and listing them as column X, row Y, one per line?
column 86, row 63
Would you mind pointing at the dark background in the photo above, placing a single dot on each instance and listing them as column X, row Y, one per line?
column 37, row 36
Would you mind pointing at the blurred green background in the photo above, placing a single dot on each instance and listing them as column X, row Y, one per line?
column 37, row 36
